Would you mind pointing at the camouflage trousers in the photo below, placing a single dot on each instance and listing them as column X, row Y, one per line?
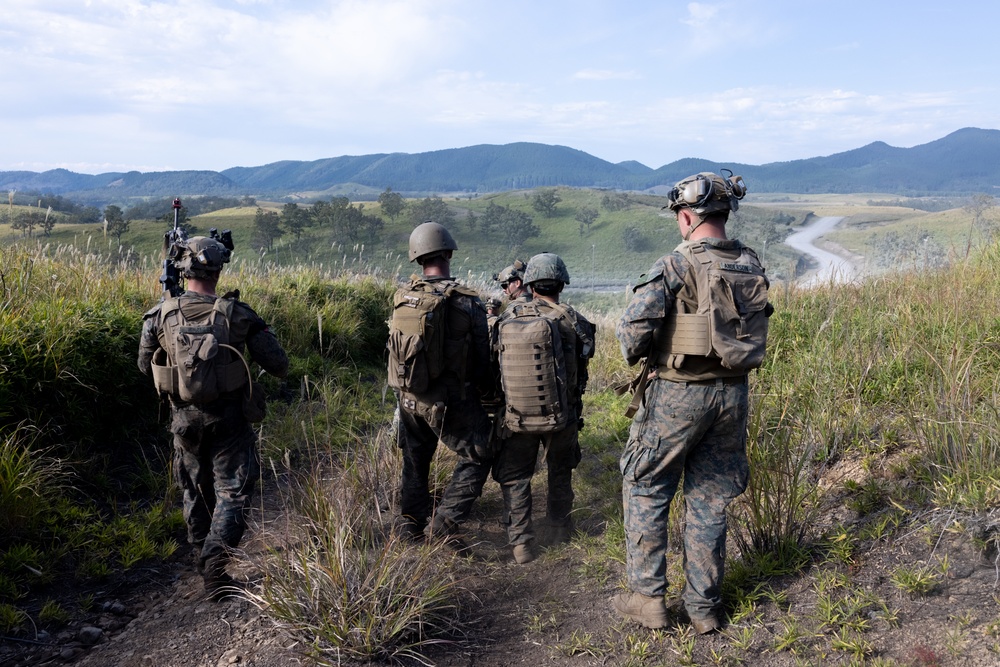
column 514, row 468
column 698, row 431
column 418, row 442
column 216, row 467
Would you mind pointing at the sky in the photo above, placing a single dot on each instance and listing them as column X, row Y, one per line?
column 98, row 86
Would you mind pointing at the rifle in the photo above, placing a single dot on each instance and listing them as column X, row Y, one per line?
column 172, row 247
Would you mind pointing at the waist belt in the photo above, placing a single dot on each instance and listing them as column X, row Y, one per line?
column 739, row 379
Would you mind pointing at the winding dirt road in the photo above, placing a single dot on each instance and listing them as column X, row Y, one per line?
column 832, row 267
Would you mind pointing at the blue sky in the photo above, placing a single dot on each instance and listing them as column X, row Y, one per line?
column 102, row 85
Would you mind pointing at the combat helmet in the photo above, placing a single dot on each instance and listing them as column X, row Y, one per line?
column 200, row 257
column 429, row 239
column 513, row 272
column 706, row 193
column 547, row 267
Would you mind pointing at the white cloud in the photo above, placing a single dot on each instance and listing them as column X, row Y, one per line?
column 700, row 15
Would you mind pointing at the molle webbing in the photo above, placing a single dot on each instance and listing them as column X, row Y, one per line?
column 684, row 333
column 533, row 371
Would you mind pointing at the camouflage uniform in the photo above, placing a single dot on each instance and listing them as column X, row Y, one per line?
column 692, row 422
column 215, row 455
column 518, row 455
column 465, row 427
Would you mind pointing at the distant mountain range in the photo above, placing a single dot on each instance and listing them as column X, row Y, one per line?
column 965, row 161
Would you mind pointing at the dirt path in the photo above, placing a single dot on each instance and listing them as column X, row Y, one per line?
column 831, row 267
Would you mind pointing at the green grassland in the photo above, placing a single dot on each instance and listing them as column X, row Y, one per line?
column 596, row 256
column 897, row 375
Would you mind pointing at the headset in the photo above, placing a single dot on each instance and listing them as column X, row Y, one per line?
column 698, row 192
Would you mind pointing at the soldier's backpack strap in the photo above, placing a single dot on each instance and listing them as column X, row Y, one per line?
column 236, row 373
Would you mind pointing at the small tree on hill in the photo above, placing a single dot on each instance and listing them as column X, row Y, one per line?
column 295, row 219
column 545, row 201
column 392, row 203
column 618, row 201
column 266, row 228
column 586, row 216
column 431, row 208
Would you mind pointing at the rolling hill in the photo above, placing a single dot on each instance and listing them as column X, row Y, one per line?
column 966, row 161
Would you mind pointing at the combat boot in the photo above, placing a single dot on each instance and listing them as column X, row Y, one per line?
column 409, row 531
column 649, row 611
column 219, row 585
column 525, row 552
column 703, row 626
column 447, row 531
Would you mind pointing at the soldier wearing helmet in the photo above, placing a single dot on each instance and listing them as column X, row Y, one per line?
column 690, row 407
column 544, row 277
column 444, row 407
column 511, row 280
column 215, row 457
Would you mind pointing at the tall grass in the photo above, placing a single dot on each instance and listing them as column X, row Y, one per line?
column 897, row 374
column 346, row 585
column 31, row 479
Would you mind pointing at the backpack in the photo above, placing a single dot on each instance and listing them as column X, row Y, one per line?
column 733, row 311
column 190, row 366
column 417, row 335
column 532, row 371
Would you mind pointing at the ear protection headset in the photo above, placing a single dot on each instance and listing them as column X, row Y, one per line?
column 698, row 191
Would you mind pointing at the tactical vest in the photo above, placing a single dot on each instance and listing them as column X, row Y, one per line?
column 196, row 363
column 731, row 321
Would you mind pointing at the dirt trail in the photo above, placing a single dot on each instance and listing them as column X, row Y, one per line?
column 832, row 267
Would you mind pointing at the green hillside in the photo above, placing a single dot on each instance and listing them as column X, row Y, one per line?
column 964, row 162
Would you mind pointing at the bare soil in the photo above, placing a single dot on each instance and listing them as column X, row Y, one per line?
column 554, row 611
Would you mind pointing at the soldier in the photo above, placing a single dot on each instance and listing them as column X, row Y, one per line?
column 693, row 414
column 492, row 308
column 439, row 387
column 193, row 346
column 534, row 416
column 511, row 280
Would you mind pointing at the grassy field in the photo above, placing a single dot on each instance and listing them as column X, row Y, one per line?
column 894, row 379
column 596, row 255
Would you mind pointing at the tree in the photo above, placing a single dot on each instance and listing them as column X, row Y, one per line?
column 49, row 223
column 350, row 224
column 618, row 201
column 115, row 222
column 26, row 222
column 544, row 201
column 431, row 208
column 392, row 203
column 514, row 227
column 267, row 228
column 587, row 216
column 295, row 219
column 517, row 227
column 633, row 239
